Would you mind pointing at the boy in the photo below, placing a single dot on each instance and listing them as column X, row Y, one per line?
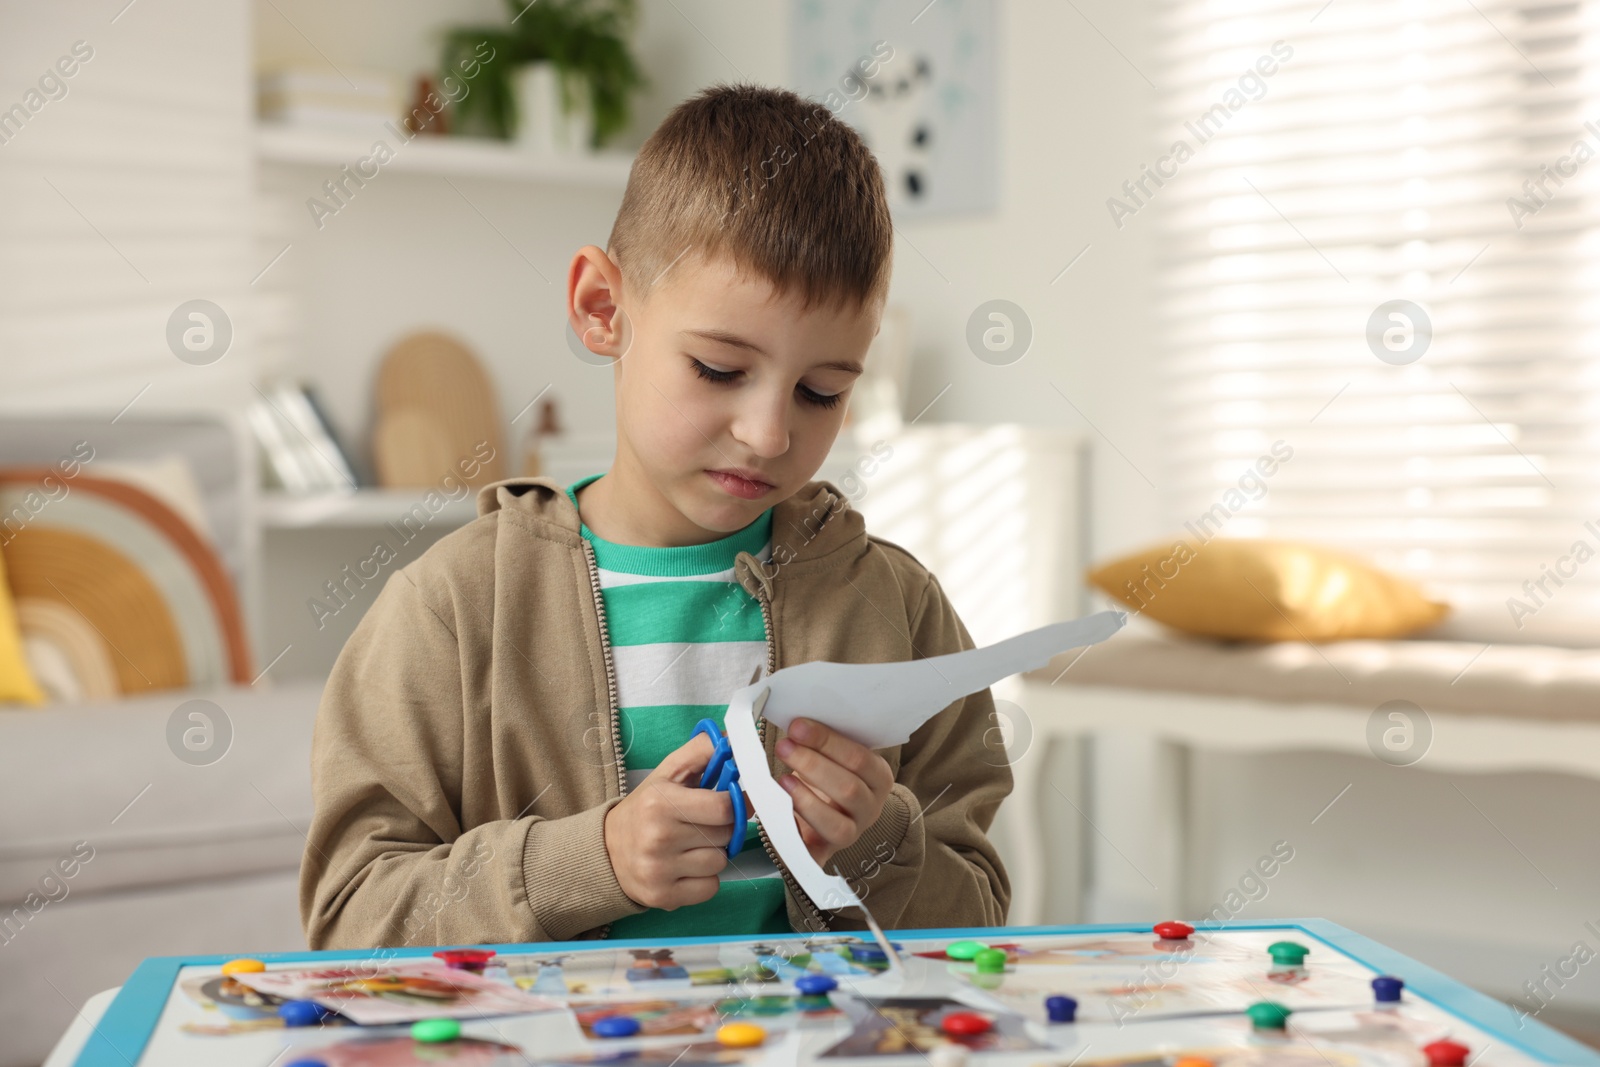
column 501, row 753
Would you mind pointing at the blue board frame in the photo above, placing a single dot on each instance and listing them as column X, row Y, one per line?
column 119, row 1039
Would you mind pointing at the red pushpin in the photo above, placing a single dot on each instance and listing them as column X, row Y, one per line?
column 1446, row 1054
column 965, row 1024
column 465, row 959
column 1172, row 931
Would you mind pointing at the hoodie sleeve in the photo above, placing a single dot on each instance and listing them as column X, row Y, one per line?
column 387, row 861
column 928, row 862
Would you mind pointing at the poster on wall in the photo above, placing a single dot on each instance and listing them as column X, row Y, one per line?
column 917, row 79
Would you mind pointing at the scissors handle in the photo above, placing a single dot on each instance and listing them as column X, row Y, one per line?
column 728, row 781
column 721, row 751
column 722, row 775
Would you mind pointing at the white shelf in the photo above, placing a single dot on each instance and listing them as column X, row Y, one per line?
column 468, row 157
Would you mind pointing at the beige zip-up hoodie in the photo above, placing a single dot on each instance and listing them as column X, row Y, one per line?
column 466, row 748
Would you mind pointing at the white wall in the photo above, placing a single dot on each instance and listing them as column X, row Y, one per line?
column 123, row 200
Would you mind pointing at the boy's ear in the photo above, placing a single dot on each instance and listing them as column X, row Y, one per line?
column 594, row 285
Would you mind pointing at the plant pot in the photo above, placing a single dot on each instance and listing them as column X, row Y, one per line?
column 543, row 124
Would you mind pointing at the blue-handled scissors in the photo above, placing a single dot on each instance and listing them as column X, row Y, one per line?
column 722, row 774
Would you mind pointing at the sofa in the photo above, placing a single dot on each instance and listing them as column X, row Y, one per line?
column 154, row 825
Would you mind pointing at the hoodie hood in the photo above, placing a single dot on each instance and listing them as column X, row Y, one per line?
column 810, row 527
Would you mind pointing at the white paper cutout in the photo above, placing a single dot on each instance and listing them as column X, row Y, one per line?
column 878, row 705
column 883, row 704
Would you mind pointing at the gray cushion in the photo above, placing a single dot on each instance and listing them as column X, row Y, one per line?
column 1534, row 681
column 106, row 775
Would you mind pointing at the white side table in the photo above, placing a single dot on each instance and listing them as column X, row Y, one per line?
column 1149, row 734
column 77, row 1034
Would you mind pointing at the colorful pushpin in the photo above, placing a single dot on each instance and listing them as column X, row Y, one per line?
column 1386, row 989
column 615, row 1026
column 814, row 990
column 1287, row 953
column 1172, row 931
column 465, row 959
column 301, row 1012
column 740, row 1035
column 966, row 1024
column 1061, row 1009
column 1446, row 1054
column 244, row 966
column 435, row 1031
column 990, row 961
column 1268, row 1015
column 964, row 950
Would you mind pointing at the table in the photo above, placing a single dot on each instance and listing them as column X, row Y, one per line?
column 1137, row 992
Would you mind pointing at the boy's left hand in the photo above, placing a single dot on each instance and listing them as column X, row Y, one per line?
column 838, row 786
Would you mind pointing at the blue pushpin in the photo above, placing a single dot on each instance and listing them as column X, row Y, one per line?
column 722, row 774
column 616, row 1026
column 301, row 1012
column 1061, row 1009
column 815, row 985
column 1386, row 988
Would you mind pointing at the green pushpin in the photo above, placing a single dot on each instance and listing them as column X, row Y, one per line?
column 1287, row 953
column 1268, row 1015
column 433, row 1031
column 990, row 961
column 964, row 950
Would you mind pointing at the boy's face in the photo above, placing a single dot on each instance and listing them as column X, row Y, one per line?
column 729, row 395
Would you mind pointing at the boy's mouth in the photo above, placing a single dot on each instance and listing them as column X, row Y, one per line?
column 745, row 484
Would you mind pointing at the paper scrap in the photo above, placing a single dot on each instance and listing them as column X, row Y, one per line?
column 883, row 704
column 398, row 991
column 878, row 705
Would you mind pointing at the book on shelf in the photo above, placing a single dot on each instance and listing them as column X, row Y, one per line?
column 299, row 451
column 362, row 476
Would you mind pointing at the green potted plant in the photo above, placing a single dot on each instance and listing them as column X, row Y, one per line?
column 569, row 58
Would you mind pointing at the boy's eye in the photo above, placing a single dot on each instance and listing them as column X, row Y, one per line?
column 712, row 374
column 807, row 395
column 821, row 400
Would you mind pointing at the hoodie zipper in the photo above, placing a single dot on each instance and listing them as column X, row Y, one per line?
column 611, row 682
column 811, row 910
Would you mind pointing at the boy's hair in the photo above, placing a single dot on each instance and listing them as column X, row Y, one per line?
column 768, row 178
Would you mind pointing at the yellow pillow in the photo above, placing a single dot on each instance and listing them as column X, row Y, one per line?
column 16, row 681
column 1266, row 591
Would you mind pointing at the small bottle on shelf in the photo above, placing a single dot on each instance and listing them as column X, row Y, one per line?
column 540, row 432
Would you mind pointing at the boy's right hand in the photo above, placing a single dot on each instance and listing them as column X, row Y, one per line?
column 668, row 838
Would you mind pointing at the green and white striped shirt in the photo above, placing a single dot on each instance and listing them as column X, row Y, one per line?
column 684, row 635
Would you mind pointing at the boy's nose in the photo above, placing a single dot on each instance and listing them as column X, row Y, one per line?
column 764, row 429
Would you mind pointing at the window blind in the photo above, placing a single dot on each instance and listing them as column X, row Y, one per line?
column 1440, row 152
